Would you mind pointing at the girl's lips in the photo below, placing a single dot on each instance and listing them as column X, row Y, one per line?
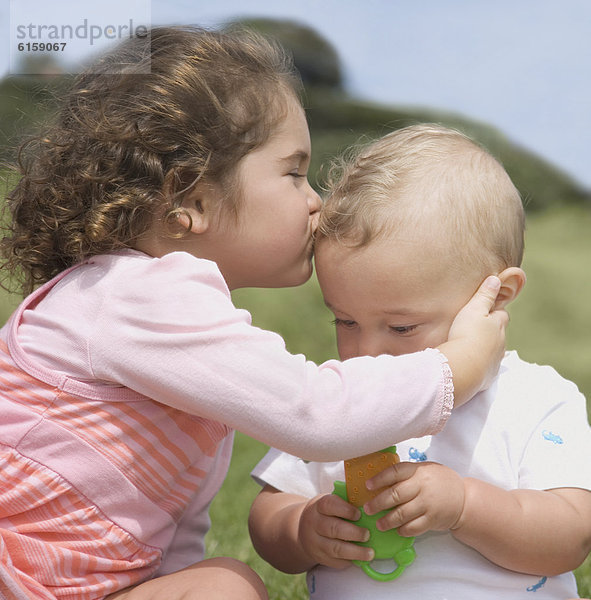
column 314, row 222
column 312, row 241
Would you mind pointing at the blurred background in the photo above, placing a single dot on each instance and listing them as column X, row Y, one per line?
column 513, row 75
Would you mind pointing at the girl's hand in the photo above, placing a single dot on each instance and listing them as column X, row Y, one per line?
column 476, row 342
column 424, row 496
column 327, row 538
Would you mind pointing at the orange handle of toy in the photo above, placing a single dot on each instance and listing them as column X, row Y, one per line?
column 359, row 470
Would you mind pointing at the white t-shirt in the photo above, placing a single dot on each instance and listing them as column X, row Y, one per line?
column 528, row 430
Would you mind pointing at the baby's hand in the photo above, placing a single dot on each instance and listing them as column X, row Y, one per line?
column 424, row 496
column 327, row 538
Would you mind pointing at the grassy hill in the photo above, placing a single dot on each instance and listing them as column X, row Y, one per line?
column 336, row 121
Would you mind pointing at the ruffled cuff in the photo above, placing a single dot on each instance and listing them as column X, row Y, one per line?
column 447, row 391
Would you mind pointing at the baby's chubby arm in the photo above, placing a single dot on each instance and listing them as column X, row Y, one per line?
column 294, row 533
column 544, row 532
column 530, row 531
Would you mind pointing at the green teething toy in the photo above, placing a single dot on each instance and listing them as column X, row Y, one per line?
column 387, row 545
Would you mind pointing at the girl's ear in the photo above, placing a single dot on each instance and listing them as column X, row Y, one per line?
column 192, row 216
column 199, row 209
column 512, row 282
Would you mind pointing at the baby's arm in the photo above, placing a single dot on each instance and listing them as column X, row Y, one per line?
column 540, row 532
column 294, row 533
column 530, row 531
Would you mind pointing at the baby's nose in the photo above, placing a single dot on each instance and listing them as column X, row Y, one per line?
column 372, row 345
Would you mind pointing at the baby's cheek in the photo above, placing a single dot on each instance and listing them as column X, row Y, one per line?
column 437, row 336
column 346, row 346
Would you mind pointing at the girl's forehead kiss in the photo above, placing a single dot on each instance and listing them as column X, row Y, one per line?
column 269, row 243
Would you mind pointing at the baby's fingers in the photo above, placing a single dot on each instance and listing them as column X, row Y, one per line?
column 407, row 518
column 334, row 528
column 393, row 474
column 405, row 525
column 394, row 496
column 334, row 506
column 339, row 554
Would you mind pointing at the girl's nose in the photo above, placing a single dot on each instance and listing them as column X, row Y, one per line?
column 314, row 204
column 314, row 201
column 315, row 219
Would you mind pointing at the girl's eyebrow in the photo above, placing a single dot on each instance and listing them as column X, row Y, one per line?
column 300, row 155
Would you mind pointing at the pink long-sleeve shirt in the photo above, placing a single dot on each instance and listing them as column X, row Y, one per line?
column 122, row 381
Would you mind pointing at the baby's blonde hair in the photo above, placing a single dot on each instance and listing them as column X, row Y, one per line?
column 427, row 179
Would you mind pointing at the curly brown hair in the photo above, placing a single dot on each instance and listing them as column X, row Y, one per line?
column 135, row 132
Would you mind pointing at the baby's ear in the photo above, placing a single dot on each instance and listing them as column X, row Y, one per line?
column 512, row 282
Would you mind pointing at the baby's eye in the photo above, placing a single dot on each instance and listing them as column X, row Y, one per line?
column 298, row 175
column 346, row 323
column 403, row 330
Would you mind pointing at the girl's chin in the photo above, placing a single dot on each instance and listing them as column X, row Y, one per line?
column 298, row 277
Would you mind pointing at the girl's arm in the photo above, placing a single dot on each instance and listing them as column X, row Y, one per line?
column 529, row 531
column 472, row 331
column 167, row 329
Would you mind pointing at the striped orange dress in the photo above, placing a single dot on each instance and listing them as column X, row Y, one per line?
column 93, row 490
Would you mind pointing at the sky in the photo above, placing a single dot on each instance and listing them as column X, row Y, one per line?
column 522, row 66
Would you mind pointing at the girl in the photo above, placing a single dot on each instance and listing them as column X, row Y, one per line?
column 126, row 371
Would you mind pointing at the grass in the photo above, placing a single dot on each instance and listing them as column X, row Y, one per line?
column 229, row 514
column 550, row 320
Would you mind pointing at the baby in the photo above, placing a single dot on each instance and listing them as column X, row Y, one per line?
column 499, row 500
